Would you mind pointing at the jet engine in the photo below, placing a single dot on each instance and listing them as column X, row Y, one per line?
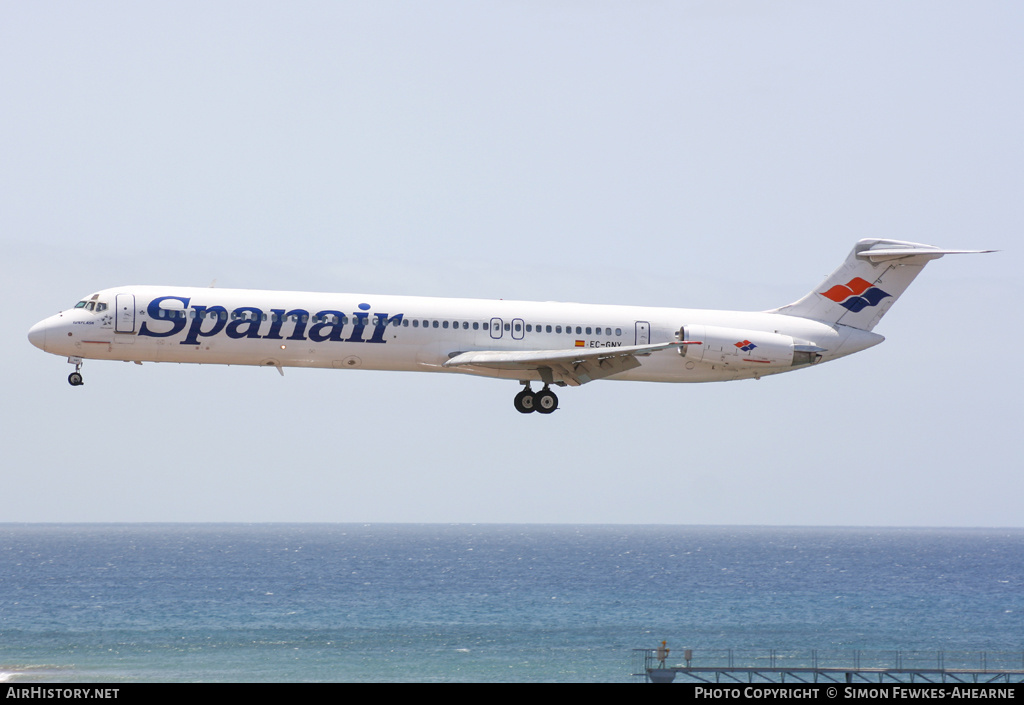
column 745, row 349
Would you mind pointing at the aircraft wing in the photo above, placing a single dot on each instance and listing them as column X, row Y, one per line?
column 572, row 367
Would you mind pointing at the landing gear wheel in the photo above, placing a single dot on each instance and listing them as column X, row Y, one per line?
column 524, row 401
column 75, row 379
column 545, row 401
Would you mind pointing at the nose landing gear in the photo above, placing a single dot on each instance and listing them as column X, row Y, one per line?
column 75, row 378
column 528, row 401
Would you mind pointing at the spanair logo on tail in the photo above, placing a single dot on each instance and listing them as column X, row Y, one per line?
column 856, row 295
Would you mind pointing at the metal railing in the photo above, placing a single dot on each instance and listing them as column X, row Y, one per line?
column 830, row 660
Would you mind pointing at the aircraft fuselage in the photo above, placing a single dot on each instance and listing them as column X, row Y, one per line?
column 560, row 344
column 350, row 331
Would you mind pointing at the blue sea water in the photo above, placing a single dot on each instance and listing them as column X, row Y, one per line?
column 378, row 602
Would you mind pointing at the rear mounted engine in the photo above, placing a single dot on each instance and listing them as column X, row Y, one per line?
column 745, row 349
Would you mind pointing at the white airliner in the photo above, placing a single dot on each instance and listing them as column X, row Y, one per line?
column 556, row 344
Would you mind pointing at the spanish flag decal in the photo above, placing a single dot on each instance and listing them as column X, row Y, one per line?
column 579, row 343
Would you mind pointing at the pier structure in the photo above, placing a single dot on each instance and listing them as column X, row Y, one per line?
column 664, row 665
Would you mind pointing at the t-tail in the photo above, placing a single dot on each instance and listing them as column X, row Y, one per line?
column 867, row 284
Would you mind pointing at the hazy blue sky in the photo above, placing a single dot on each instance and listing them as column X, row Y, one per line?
column 696, row 154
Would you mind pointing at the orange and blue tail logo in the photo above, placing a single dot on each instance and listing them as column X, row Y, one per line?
column 745, row 345
column 856, row 295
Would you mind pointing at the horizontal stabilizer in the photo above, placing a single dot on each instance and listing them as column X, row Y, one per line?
column 923, row 252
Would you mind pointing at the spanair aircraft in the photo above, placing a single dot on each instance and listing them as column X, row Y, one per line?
column 556, row 344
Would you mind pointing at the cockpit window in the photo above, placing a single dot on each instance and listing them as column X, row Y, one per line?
column 81, row 304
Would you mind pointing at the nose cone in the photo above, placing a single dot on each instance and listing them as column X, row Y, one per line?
column 37, row 335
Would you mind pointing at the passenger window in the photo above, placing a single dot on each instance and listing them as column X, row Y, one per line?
column 588, row 330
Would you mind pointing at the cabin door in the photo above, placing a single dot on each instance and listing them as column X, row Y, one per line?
column 124, row 316
column 643, row 333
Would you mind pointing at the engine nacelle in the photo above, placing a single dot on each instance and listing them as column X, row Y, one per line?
column 745, row 349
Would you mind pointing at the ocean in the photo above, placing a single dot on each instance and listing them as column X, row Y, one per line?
column 485, row 603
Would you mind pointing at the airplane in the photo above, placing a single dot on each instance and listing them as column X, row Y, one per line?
column 552, row 343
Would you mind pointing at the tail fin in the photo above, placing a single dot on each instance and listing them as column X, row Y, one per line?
column 867, row 284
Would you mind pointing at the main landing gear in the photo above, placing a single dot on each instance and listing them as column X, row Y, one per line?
column 75, row 378
column 543, row 401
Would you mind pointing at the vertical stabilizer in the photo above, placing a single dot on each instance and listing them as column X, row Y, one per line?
column 867, row 284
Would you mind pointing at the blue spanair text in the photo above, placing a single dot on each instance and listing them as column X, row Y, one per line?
column 251, row 322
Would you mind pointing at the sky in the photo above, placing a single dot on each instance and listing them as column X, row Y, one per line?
column 688, row 154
